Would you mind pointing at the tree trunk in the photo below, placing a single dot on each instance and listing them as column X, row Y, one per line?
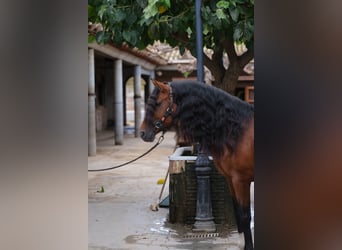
column 227, row 79
column 230, row 78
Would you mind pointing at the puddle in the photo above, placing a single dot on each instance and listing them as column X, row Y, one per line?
column 160, row 227
column 184, row 231
column 163, row 234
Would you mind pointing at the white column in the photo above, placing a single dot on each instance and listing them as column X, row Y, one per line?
column 118, row 103
column 150, row 84
column 91, row 105
column 137, row 99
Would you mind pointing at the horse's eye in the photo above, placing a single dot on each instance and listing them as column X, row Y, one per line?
column 158, row 104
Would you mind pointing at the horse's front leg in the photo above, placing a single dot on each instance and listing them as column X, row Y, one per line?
column 242, row 209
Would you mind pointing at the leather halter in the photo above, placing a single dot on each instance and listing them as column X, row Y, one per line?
column 159, row 124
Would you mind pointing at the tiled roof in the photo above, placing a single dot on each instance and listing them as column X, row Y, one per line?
column 187, row 62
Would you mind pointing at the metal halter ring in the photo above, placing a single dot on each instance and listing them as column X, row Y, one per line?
column 158, row 124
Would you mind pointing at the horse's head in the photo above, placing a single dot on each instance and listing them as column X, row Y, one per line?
column 159, row 111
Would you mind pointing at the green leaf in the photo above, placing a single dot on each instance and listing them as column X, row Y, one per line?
column 90, row 11
column 143, row 22
column 234, row 13
column 131, row 18
column 222, row 4
column 167, row 3
column 106, row 37
column 141, row 45
column 91, row 38
column 126, row 35
column 134, row 38
column 153, row 32
column 216, row 22
column 189, row 31
column 225, row 23
column 205, row 29
column 141, row 3
column 102, row 11
column 101, row 190
column 237, row 34
column 250, row 25
column 151, row 9
column 118, row 39
column 205, row 12
column 99, row 36
column 181, row 49
column 130, row 36
column 220, row 14
column 119, row 15
column 248, row 34
column 193, row 51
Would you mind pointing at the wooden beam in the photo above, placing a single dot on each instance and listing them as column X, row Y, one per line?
column 116, row 53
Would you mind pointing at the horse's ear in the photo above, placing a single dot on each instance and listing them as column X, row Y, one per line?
column 159, row 85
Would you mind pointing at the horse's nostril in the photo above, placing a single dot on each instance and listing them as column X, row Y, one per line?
column 142, row 133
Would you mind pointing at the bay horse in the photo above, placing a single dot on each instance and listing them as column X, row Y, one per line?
column 220, row 122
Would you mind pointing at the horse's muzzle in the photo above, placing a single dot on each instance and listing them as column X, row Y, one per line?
column 147, row 136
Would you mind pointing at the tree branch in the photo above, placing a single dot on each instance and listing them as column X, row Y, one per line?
column 209, row 63
column 181, row 37
column 218, row 57
column 246, row 57
column 215, row 64
column 229, row 47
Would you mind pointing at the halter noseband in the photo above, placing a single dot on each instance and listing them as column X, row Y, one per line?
column 159, row 124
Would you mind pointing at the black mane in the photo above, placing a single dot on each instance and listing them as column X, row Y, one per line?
column 208, row 115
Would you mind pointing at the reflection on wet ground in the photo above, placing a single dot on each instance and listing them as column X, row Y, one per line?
column 184, row 234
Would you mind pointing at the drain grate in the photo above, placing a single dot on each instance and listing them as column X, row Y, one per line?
column 200, row 235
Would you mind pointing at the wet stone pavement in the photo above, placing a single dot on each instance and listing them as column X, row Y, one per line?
column 120, row 217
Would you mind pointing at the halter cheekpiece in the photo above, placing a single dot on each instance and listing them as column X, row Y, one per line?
column 159, row 124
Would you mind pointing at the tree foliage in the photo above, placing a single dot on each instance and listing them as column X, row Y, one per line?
column 141, row 22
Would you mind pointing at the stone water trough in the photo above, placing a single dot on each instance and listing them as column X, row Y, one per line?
column 183, row 190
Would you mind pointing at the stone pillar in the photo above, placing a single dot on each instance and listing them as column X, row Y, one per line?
column 137, row 99
column 204, row 219
column 91, row 104
column 150, row 84
column 118, row 103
